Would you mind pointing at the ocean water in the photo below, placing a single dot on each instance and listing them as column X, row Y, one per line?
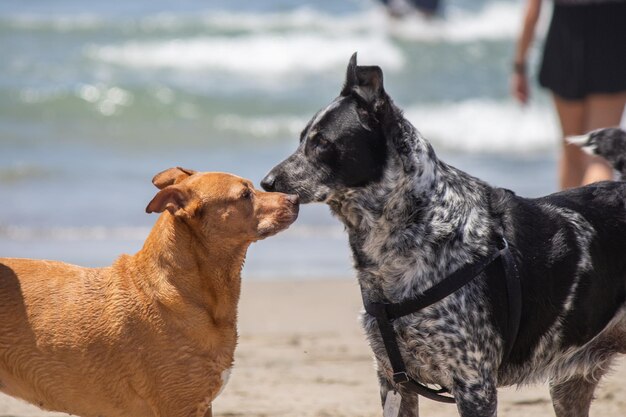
column 97, row 97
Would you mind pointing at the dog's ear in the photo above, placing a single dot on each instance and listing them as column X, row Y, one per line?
column 351, row 79
column 365, row 81
column 369, row 83
column 170, row 198
column 171, row 176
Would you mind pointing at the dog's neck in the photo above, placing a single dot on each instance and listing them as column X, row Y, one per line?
column 183, row 269
column 420, row 222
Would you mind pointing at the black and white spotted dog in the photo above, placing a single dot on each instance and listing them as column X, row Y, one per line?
column 412, row 220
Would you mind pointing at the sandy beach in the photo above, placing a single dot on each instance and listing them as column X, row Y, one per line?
column 302, row 354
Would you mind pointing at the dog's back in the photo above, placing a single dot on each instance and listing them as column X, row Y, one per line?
column 573, row 269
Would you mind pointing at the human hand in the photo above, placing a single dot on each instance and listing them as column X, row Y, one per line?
column 519, row 87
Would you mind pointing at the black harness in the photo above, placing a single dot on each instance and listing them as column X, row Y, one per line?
column 385, row 313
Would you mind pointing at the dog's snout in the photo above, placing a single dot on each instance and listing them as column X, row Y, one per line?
column 268, row 183
column 293, row 199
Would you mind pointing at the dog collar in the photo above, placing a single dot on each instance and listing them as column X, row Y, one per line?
column 385, row 313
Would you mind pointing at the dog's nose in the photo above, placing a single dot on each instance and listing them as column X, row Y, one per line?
column 268, row 182
column 293, row 199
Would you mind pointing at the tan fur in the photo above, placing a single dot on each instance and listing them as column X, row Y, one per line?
column 152, row 334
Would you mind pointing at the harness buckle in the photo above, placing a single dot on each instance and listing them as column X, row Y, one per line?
column 400, row 377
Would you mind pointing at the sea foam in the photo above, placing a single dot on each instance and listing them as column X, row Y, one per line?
column 496, row 20
column 265, row 54
column 487, row 126
column 474, row 126
column 299, row 40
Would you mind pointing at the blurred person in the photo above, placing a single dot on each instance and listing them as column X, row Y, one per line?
column 401, row 8
column 584, row 66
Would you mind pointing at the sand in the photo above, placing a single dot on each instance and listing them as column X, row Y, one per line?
column 302, row 353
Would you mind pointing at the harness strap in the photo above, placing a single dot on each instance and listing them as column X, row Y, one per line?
column 400, row 375
column 438, row 292
column 385, row 313
column 514, row 296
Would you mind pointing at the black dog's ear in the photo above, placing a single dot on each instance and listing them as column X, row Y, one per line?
column 351, row 79
column 370, row 83
column 365, row 81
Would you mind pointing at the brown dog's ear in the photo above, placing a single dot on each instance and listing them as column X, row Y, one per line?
column 171, row 176
column 171, row 199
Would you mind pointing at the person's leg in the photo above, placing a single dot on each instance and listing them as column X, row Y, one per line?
column 601, row 110
column 572, row 163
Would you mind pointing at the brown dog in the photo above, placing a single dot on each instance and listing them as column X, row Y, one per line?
column 154, row 334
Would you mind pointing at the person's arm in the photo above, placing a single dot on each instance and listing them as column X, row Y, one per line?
column 519, row 80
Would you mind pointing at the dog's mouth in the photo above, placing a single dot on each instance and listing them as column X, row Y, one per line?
column 307, row 189
column 290, row 216
column 283, row 219
column 308, row 198
column 305, row 195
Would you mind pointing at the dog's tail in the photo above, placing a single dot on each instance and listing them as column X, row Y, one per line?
column 609, row 143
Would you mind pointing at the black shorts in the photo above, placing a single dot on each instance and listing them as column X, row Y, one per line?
column 585, row 50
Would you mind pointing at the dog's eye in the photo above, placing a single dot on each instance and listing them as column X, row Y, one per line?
column 246, row 194
column 323, row 144
column 321, row 147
